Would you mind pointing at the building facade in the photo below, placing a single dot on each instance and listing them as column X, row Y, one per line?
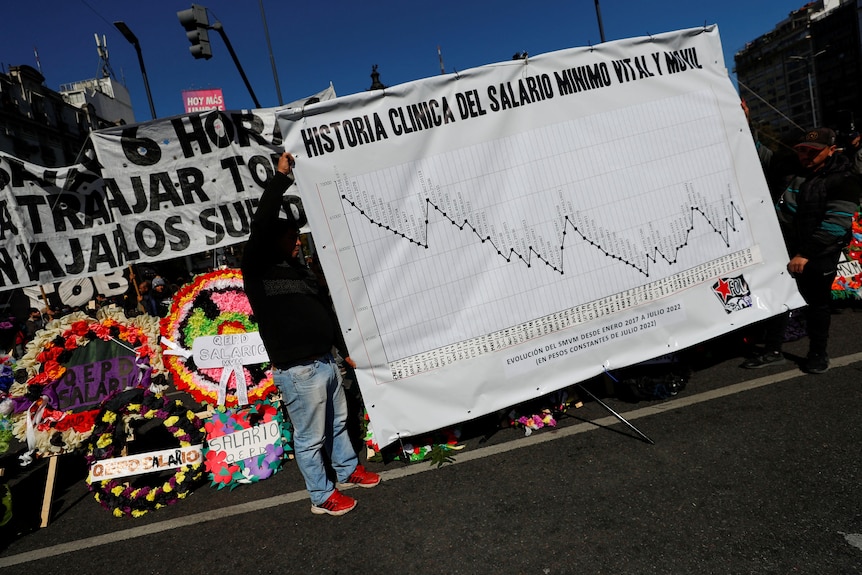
column 41, row 126
column 806, row 71
column 107, row 98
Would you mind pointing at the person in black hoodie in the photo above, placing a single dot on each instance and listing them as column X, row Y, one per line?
column 815, row 211
column 299, row 330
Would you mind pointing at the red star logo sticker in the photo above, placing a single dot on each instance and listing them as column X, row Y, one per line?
column 723, row 289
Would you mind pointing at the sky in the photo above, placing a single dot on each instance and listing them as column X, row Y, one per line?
column 336, row 41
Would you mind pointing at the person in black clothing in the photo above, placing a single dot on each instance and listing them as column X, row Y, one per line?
column 147, row 303
column 853, row 151
column 299, row 330
column 34, row 323
column 815, row 211
column 162, row 296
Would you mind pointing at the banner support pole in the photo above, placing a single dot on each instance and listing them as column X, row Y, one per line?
column 44, row 297
column 615, row 414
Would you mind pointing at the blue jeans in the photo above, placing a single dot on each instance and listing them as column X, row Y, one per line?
column 317, row 408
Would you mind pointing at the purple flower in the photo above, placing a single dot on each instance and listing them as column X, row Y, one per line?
column 256, row 468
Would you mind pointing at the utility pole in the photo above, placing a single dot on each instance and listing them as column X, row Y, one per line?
column 809, row 69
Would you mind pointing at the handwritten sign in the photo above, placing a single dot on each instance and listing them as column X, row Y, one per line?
column 248, row 442
column 145, row 463
column 222, row 350
column 230, row 352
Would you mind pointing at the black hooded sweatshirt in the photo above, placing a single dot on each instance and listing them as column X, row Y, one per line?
column 292, row 310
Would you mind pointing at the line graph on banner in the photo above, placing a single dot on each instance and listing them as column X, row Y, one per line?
column 723, row 228
column 470, row 242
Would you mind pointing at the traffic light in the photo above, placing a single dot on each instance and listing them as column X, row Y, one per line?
column 197, row 24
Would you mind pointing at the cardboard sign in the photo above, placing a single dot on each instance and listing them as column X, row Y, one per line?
column 229, row 350
column 145, row 463
column 248, row 442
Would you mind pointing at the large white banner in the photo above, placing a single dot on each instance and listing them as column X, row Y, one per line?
column 142, row 193
column 501, row 233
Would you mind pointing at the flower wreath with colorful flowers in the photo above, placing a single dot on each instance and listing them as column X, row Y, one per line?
column 7, row 366
column 539, row 413
column 854, row 250
column 36, row 417
column 850, row 287
column 225, row 421
column 212, row 304
column 131, row 498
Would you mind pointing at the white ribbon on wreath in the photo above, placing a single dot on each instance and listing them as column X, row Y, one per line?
column 33, row 419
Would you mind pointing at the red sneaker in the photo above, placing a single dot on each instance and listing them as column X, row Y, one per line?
column 361, row 478
column 337, row 504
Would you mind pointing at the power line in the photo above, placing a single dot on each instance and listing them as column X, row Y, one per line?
column 777, row 111
column 96, row 12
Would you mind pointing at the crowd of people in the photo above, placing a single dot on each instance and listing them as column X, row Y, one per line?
column 152, row 295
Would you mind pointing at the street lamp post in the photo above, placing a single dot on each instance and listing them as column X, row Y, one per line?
column 809, row 65
column 133, row 40
column 220, row 29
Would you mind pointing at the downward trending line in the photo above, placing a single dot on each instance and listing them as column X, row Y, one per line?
column 653, row 254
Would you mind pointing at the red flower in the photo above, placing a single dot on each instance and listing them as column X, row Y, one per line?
column 41, row 378
column 102, row 331
column 80, row 422
column 54, row 370
column 210, row 429
column 48, row 354
column 80, row 328
column 216, row 463
column 241, row 420
column 215, row 460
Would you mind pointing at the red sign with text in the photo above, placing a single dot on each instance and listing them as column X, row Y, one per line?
column 203, row 100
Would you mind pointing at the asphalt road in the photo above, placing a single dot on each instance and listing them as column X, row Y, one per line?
column 750, row 472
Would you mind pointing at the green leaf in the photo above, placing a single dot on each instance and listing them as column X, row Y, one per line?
column 441, row 454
